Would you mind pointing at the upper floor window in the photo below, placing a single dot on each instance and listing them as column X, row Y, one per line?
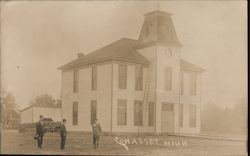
column 193, row 84
column 168, row 79
column 122, row 79
column 181, row 83
column 138, row 78
column 75, row 81
column 94, row 78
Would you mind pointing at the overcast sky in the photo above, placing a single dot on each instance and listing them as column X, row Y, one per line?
column 39, row 37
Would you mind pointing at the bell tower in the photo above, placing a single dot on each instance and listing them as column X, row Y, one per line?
column 159, row 43
column 158, row 28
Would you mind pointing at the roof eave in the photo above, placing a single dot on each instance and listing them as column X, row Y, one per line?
column 146, row 62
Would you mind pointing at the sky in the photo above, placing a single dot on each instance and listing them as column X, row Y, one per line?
column 38, row 37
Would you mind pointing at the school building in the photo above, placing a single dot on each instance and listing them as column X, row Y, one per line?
column 133, row 85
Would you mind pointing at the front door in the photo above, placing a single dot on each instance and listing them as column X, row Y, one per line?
column 167, row 117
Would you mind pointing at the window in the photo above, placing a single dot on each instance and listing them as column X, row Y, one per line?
column 181, row 115
column 122, row 112
column 181, row 83
column 193, row 84
column 75, row 81
column 138, row 78
column 192, row 115
column 151, row 114
column 94, row 78
column 93, row 111
column 168, row 79
column 75, row 113
column 138, row 110
column 122, row 76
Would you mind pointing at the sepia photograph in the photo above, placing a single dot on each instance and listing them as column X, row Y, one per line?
column 117, row 77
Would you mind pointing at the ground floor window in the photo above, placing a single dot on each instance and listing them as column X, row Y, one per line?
column 192, row 115
column 93, row 111
column 181, row 115
column 122, row 112
column 138, row 110
column 151, row 114
column 75, row 113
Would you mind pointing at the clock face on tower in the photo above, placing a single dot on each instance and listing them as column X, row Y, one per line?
column 168, row 52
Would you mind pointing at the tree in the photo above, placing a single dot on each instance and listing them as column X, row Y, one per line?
column 9, row 109
column 46, row 100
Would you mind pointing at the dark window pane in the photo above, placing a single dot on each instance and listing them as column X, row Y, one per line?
column 93, row 111
column 122, row 79
column 181, row 83
column 151, row 114
column 193, row 84
column 168, row 78
column 181, row 115
column 75, row 113
column 94, row 78
column 138, row 78
column 75, row 81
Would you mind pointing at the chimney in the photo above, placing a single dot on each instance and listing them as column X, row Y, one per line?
column 80, row 55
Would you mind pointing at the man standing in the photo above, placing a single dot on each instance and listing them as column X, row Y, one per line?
column 96, row 127
column 63, row 134
column 40, row 130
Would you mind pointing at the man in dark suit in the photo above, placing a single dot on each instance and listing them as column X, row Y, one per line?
column 63, row 133
column 97, row 130
column 40, row 130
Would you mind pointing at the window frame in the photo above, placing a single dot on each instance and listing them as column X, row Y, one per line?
column 151, row 114
column 122, row 76
column 192, row 123
column 94, row 78
column 121, row 103
column 181, row 114
column 168, row 78
column 138, row 122
column 93, row 105
column 193, row 84
column 75, row 109
column 75, row 80
column 138, row 78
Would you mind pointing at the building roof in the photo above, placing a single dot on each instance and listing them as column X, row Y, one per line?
column 118, row 50
column 185, row 65
column 39, row 107
column 158, row 28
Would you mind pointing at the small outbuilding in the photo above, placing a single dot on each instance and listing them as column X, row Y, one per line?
column 31, row 114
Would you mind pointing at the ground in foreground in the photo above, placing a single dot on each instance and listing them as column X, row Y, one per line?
column 13, row 142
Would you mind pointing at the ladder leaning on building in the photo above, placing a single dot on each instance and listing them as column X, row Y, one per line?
column 144, row 108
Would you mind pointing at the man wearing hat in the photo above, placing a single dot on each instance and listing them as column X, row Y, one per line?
column 96, row 127
column 63, row 133
column 40, row 130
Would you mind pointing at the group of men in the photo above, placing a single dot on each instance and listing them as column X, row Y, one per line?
column 40, row 131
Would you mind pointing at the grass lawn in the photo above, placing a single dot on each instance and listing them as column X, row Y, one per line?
column 78, row 143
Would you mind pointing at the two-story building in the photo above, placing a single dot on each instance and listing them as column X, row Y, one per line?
column 132, row 85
